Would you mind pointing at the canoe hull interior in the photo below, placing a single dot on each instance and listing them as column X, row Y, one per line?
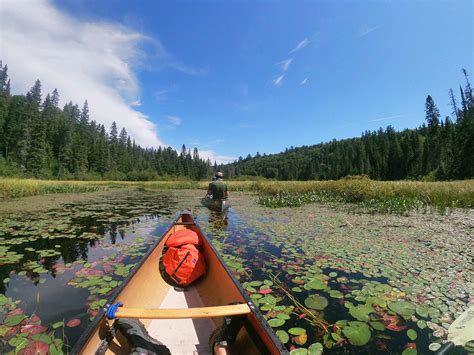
column 146, row 288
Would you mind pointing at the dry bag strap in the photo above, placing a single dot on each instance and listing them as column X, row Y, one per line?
column 174, row 276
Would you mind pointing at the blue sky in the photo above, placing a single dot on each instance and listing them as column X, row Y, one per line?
column 237, row 77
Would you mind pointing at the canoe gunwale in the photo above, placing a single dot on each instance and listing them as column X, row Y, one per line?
column 100, row 317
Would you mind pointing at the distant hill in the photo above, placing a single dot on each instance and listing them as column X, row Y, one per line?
column 438, row 150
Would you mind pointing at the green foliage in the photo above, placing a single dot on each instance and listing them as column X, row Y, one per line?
column 38, row 139
column 440, row 150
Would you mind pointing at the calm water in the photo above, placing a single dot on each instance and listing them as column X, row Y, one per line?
column 59, row 267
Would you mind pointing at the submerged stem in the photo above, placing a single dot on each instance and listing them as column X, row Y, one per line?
column 311, row 317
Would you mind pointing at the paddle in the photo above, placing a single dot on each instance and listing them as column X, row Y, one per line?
column 460, row 332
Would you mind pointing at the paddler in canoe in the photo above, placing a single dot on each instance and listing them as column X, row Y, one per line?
column 217, row 195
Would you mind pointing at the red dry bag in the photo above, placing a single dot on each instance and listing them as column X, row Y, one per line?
column 183, row 261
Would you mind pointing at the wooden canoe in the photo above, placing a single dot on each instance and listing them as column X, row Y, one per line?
column 215, row 205
column 182, row 319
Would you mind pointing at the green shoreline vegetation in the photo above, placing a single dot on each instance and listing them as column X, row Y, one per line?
column 375, row 196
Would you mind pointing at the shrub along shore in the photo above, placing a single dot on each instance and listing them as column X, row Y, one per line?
column 380, row 196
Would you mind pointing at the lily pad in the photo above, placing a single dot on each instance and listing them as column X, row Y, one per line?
column 403, row 308
column 276, row 322
column 315, row 284
column 357, row 333
column 412, row 335
column 315, row 349
column 316, row 302
column 296, row 331
column 283, row 336
column 361, row 312
column 434, row 346
column 299, row 351
column 14, row 320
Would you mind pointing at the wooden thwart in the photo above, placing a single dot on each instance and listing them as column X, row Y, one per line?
column 181, row 313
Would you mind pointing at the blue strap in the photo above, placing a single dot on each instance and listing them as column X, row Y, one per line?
column 112, row 309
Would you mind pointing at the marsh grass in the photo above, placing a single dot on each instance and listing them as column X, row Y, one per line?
column 15, row 188
column 376, row 196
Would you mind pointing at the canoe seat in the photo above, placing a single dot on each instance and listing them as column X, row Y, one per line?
column 183, row 336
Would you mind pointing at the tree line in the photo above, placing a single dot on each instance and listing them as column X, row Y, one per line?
column 441, row 149
column 39, row 139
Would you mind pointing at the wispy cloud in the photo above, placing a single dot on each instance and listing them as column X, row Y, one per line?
column 99, row 57
column 366, row 30
column 285, row 64
column 300, row 45
column 278, row 80
column 304, row 81
column 174, row 120
column 386, row 118
column 161, row 95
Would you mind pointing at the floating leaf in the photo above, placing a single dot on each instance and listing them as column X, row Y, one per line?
column 299, row 351
column 296, row 331
column 316, row 302
column 336, row 294
column 315, row 284
column 403, row 308
column 14, row 320
column 276, row 322
column 33, row 329
column 37, row 348
column 357, row 333
column 361, row 312
column 73, row 323
column 434, row 346
column 42, row 338
column 301, row 339
column 421, row 324
column 315, row 349
column 422, row 311
column 58, row 325
column 377, row 325
column 409, row 351
column 283, row 336
column 412, row 335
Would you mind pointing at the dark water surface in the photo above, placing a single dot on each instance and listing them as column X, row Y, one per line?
column 59, row 267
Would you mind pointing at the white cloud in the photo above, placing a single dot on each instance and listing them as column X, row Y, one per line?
column 300, row 45
column 285, row 65
column 278, row 80
column 366, row 30
column 386, row 118
column 83, row 60
column 304, row 81
column 174, row 120
column 214, row 157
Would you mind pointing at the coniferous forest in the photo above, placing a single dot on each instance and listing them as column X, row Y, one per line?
column 39, row 139
column 441, row 149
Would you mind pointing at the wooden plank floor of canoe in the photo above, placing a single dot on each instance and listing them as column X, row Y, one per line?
column 183, row 336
